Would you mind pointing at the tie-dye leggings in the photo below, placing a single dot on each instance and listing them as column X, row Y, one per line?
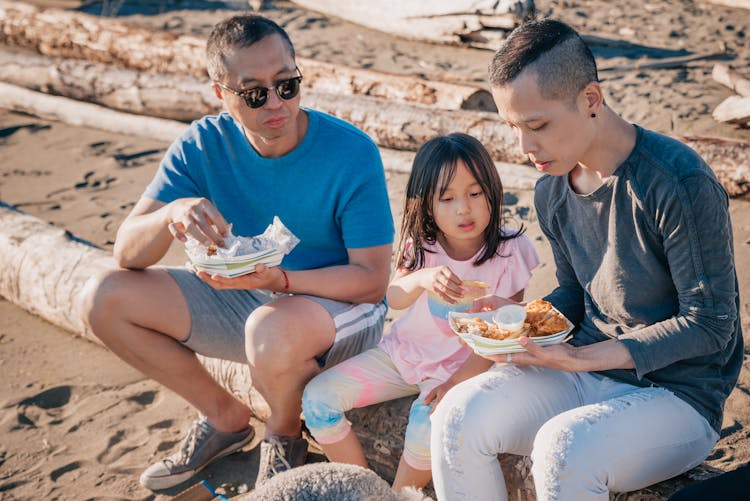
column 368, row 378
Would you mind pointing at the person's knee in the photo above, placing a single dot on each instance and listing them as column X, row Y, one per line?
column 101, row 298
column 268, row 343
column 321, row 405
column 562, row 454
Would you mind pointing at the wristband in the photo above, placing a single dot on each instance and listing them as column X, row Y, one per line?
column 286, row 279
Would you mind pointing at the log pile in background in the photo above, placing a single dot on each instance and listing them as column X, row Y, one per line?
column 392, row 124
column 57, row 32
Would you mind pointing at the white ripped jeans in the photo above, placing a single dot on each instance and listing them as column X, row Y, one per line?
column 586, row 435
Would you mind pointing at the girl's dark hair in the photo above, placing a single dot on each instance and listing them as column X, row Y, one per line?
column 433, row 169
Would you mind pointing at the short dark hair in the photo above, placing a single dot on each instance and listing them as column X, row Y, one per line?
column 433, row 169
column 235, row 33
column 563, row 62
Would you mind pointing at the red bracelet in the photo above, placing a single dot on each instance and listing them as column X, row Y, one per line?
column 286, row 279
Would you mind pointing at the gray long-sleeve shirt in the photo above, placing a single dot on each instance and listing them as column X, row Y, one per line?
column 648, row 259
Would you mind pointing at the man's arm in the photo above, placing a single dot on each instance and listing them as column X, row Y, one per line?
column 363, row 280
column 146, row 233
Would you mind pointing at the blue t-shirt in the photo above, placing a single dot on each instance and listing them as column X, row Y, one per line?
column 330, row 191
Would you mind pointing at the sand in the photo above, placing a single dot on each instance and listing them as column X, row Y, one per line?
column 77, row 423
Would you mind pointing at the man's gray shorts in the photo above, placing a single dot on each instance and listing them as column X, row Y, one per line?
column 218, row 320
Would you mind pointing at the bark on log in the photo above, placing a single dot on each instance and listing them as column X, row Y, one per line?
column 56, row 32
column 478, row 23
column 43, row 268
column 727, row 76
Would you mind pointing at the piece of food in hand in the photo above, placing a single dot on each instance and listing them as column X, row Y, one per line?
column 474, row 289
column 475, row 283
column 211, row 250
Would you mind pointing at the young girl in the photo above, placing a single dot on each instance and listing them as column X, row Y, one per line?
column 453, row 249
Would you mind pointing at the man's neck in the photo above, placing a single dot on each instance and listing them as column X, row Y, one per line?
column 280, row 146
column 614, row 141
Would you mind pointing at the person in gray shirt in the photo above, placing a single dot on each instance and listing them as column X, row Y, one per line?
column 640, row 231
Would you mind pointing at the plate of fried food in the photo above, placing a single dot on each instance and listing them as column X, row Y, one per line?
column 496, row 332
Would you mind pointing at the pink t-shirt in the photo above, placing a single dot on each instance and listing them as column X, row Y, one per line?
column 421, row 343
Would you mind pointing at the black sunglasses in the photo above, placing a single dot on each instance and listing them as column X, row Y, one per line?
column 257, row 96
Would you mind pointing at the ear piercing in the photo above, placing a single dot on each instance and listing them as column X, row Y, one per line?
column 593, row 115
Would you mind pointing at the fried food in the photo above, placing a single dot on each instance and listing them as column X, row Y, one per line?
column 475, row 283
column 542, row 319
column 211, row 250
column 537, row 310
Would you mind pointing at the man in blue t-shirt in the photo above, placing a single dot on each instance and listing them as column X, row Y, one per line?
column 263, row 157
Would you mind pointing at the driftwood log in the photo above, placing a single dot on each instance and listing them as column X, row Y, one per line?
column 727, row 76
column 477, row 23
column 66, row 110
column 391, row 124
column 57, row 32
column 43, row 268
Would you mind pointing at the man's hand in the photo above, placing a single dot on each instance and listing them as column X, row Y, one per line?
column 198, row 218
column 262, row 278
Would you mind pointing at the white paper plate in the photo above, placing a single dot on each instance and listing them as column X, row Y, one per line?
column 488, row 346
column 239, row 265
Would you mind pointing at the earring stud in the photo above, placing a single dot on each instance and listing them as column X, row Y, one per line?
column 593, row 115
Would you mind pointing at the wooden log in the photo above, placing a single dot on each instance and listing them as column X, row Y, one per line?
column 86, row 114
column 478, row 23
column 56, row 32
column 162, row 95
column 663, row 63
column 739, row 4
column 734, row 109
column 727, row 76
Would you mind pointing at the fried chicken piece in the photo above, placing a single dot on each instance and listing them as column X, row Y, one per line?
column 552, row 324
column 537, row 310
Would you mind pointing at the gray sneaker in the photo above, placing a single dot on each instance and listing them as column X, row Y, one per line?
column 202, row 445
column 279, row 454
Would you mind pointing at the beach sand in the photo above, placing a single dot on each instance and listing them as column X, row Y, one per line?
column 77, row 423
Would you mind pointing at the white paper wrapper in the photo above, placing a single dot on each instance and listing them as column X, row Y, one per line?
column 240, row 254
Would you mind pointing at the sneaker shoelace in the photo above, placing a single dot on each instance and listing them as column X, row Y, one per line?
column 277, row 461
column 197, row 433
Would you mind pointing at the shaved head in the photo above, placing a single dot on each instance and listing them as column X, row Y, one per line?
column 553, row 51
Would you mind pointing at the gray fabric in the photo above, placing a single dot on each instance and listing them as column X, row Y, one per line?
column 648, row 259
column 218, row 320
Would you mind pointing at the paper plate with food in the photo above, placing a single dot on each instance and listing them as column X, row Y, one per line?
column 497, row 332
column 240, row 255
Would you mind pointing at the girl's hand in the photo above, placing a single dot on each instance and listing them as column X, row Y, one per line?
column 434, row 397
column 199, row 218
column 442, row 282
column 262, row 278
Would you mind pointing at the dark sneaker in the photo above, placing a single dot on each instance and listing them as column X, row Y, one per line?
column 202, row 445
column 278, row 454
